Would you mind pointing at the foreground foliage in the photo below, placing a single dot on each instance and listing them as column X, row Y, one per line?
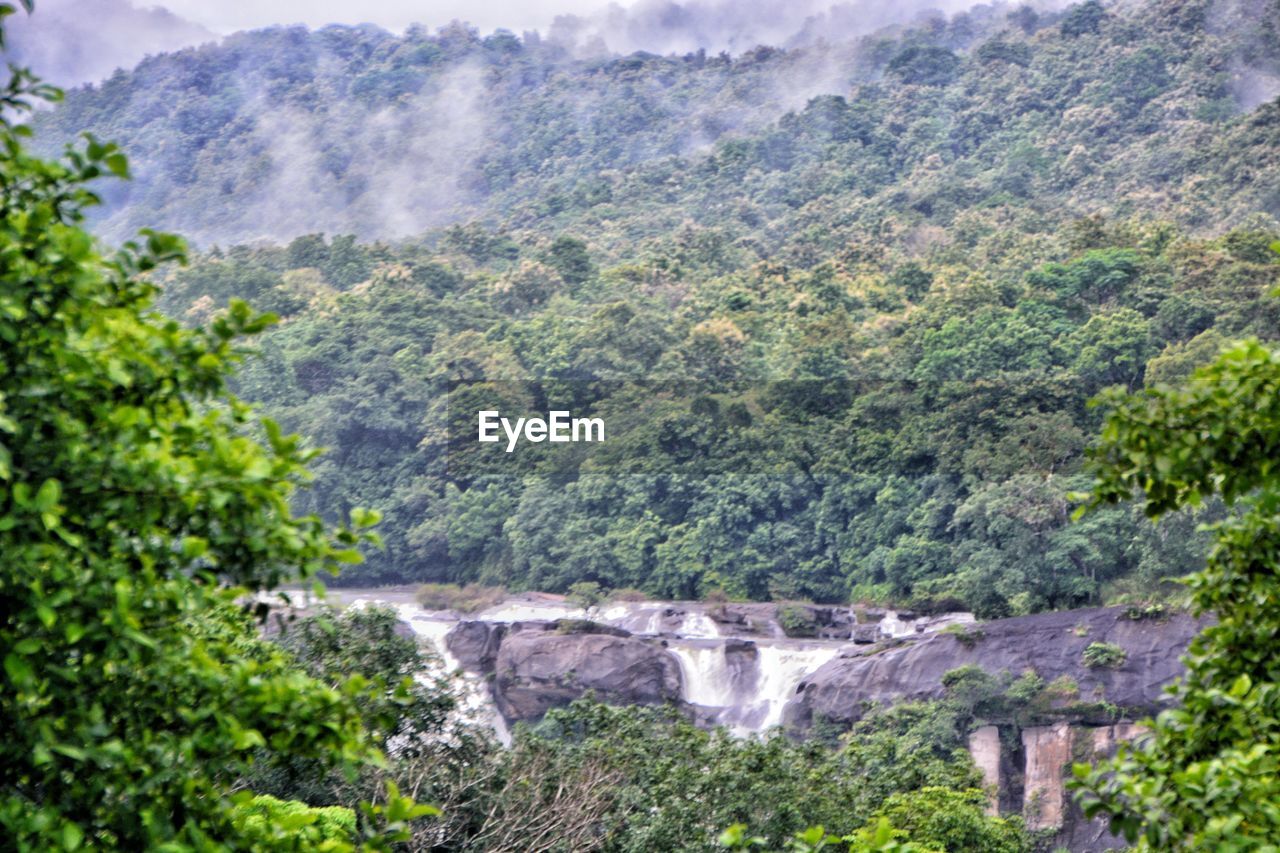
column 135, row 512
column 1208, row 775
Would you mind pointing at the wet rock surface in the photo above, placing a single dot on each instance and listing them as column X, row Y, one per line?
column 475, row 644
column 731, row 664
column 749, row 619
column 1051, row 644
column 536, row 670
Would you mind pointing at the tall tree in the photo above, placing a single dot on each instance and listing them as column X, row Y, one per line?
column 1208, row 775
column 136, row 512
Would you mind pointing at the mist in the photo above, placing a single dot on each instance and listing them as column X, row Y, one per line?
column 70, row 42
column 309, row 135
column 412, row 160
column 665, row 26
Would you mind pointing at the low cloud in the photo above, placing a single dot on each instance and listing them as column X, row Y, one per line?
column 69, row 42
column 735, row 26
column 411, row 161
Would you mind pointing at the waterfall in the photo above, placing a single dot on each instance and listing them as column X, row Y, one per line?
column 638, row 618
column 749, row 697
column 431, row 629
column 743, row 683
column 474, row 702
column 893, row 626
column 698, row 625
column 708, row 679
column 781, row 670
column 614, row 614
column 653, row 625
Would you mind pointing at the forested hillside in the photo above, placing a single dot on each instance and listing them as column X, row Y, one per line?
column 843, row 304
column 984, row 118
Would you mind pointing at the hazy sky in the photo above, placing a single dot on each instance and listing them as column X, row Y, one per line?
column 76, row 41
column 229, row 15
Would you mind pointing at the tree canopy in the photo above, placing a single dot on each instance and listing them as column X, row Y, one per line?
column 1205, row 776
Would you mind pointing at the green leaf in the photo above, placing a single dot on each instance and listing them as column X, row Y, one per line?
column 248, row 739
column 72, row 752
column 194, row 546
column 118, row 164
column 47, row 497
column 72, row 836
column 18, row 669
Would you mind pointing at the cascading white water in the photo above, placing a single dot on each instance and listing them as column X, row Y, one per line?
column 707, row 677
column 431, row 629
column 474, row 702
column 746, row 689
column 653, row 624
column 893, row 626
column 614, row 614
column 698, row 625
column 781, row 669
column 636, row 618
column 747, row 698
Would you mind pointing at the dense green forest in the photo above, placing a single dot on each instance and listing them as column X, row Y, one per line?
column 924, row 451
column 873, row 323
column 844, row 352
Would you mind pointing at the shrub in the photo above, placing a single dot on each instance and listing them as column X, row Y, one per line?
column 797, row 620
column 939, row 818
column 585, row 594
column 1104, row 656
column 314, row 826
column 463, row 599
column 975, row 689
column 966, row 635
column 587, row 626
column 1026, row 689
column 1140, row 612
column 1063, row 688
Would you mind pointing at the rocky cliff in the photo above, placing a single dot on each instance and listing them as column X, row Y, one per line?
column 1050, row 644
column 1025, row 766
column 754, row 678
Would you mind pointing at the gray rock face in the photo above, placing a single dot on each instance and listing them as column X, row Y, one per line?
column 866, row 634
column 475, row 644
column 539, row 670
column 1052, row 644
column 740, row 658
